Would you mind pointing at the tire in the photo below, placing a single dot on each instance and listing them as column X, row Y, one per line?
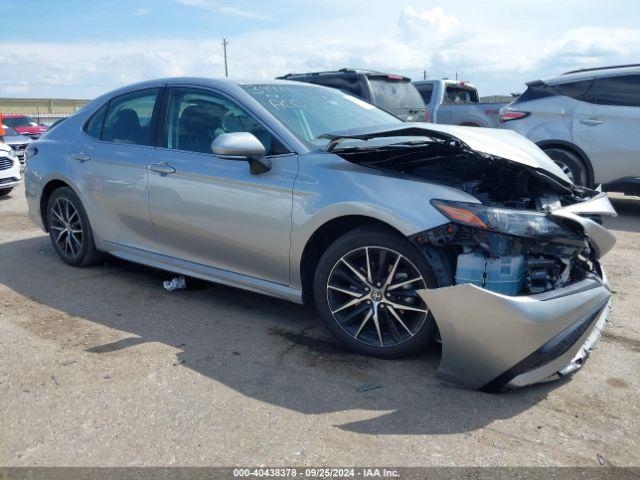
column 5, row 191
column 404, row 324
column 571, row 164
column 69, row 229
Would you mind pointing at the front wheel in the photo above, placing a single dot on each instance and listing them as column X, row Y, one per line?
column 365, row 288
column 5, row 191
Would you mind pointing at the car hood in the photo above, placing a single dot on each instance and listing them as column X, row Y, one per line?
column 32, row 129
column 17, row 139
column 4, row 148
column 506, row 144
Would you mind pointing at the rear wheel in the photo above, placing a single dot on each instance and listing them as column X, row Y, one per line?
column 365, row 289
column 5, row 191
column 69, row 229
column 571, row 165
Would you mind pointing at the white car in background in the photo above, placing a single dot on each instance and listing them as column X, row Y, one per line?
column 588, row 122
column 10, row 174
column 17, row 142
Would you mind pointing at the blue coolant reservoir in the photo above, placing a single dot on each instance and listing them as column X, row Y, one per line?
column 503, row 274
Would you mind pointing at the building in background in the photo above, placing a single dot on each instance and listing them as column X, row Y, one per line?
column 43, row 110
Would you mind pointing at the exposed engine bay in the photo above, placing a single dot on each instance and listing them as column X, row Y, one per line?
column 509, row 243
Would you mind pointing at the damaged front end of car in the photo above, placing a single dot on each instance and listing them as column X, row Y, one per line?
column 529, row 297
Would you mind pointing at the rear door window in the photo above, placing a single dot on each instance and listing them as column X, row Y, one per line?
column 575, row 90
column 128, row 118
column 622, row 91
column 537, row 90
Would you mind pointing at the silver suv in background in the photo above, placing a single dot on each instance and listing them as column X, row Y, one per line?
column 588, row 122
column 391, row 92
column 456, row 102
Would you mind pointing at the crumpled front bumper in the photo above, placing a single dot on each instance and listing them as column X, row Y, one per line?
column 491, row 341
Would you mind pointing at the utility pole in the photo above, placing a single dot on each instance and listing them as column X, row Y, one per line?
column 225, row 42
column 424, row 74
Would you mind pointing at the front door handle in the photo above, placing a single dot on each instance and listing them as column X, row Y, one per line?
column 591, row 122
column 82, row 157
column 162, row 168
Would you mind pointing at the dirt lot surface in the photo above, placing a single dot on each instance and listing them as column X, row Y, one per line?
column 102, row 366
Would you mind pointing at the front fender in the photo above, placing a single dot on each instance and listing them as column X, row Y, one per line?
column 328, row 187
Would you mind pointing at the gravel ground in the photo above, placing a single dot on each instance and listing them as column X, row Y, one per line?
column 102, row 366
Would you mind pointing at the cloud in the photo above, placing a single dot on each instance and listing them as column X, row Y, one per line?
column 434, row 19
column 141, row 11
column 497, row 60
column 213, row 6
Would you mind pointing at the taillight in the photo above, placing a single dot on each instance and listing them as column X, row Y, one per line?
column 427, row 118
column 509, row 115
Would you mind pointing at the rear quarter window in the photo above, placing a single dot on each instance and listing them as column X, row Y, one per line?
column 93, row 126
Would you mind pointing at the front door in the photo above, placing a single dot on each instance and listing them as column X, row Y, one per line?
column 213, row 211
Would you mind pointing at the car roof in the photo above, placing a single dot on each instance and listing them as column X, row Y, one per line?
column 446, row 81
column 341, row 72
column 589, row 73
column 227, row 85
column 221, row 83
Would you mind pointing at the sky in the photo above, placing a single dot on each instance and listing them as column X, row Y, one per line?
column 80, row 49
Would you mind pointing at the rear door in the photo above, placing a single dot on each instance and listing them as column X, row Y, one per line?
column 607, row 125
column 108, row 163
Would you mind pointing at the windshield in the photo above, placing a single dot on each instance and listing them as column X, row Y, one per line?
column 309, row 111
column 19, row 122
column 394, row 95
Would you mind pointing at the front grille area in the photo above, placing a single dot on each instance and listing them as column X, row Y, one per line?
column 4, row 181
column 5, row 163
column 19, row 147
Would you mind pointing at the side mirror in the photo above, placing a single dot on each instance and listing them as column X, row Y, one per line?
column 242, row 146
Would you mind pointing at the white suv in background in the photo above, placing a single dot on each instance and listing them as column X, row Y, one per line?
column 588, row 122
column 10, row 175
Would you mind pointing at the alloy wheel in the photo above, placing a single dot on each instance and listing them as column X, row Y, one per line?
column 66, row 227
column 372, row 295
column 565, row 168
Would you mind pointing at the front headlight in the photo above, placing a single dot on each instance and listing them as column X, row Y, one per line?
column 12, row 154
column 504, row 220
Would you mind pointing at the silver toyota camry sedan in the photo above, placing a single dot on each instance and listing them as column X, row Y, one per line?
column 400, row 233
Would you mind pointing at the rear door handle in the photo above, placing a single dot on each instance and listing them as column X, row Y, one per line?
column 81, row 157
column 162, row 168
column 591, row 122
